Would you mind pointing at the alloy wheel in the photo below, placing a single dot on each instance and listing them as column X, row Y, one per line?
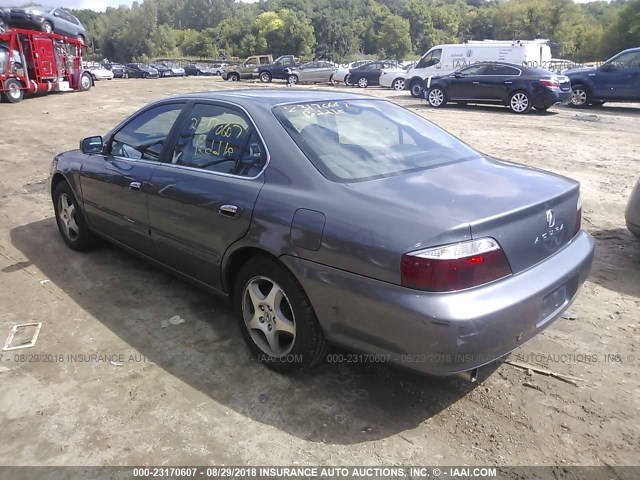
column 519, row 102
column 363, row 82
column 268, row 316
column 579, row 97
column 398, row 84
column 293, row 79
column 436, row 97
column 67, row 214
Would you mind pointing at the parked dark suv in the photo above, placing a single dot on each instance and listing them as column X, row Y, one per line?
column 616, row 80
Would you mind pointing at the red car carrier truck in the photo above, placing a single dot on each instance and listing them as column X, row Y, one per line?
column 38, row 62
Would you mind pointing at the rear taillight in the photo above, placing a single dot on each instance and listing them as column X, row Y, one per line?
column 455, row 267
column 578, row 226
column 550, row 83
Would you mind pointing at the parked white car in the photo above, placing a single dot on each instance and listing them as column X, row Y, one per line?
column 343, row 70
column 393, row 78
column 101, row 73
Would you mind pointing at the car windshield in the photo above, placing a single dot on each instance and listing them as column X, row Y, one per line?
column 358, row 140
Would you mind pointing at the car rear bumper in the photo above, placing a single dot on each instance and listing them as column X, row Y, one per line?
column 444, row 333
column 548, row 98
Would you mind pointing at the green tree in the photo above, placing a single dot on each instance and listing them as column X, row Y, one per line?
column 394, row 37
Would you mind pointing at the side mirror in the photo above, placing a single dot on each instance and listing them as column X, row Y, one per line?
column 56, row 14
column 91, row 144
column 458, row 75
column 607, row 67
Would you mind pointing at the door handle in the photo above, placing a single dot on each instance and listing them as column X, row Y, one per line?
column 228, row 210
column 508, row 83
column 135, row 186
column 476, row 83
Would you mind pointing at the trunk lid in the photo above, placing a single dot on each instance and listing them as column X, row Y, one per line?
column 531, row 213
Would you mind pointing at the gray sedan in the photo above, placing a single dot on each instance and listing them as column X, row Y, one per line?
column 333, row 218
column 632, row 214
column 311, row 72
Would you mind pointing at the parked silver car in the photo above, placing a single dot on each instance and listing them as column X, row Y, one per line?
column 632, row 214
column 318, row 71
column 46, row 19
column 333, row 218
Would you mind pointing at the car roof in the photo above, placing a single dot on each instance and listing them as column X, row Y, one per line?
column 269, row 98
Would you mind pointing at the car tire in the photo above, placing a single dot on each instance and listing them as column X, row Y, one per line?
column 437, row 97
column 398, row 84
column 346, row 80
column 233, row 77
column 70, row 219
column 85, row 82
column 581, row 97
column 520, row 102
column 14, row 92
column 332, row 81
column 416, row 89
column 3, row 26
column 292, row 79
column 265, row 77
column 47, row 27
column 81, row 39
column 300, row 342
column 363, row 82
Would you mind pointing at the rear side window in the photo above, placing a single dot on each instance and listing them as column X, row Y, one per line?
column 502, row 70
column 219, row 139
column 145, row 135
column 358, row 140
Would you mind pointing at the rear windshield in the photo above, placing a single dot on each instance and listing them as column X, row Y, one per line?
column 357, row 140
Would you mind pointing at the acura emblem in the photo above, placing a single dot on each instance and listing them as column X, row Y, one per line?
column 551, row 219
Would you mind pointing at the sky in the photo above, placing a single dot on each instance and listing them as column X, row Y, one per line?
column 98, row 5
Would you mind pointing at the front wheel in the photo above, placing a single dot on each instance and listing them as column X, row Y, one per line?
column 81, row 39
column 347, row 78
column 581, row 97
column 276, row 317
column 416, row 89
column 292, row 79
column 363, row 82
column 85, row 82
column 398, row 84
column 47, row 27
column 437, row 97
column 520, row 102
column 233, row 77
column 265, row 77
column 71, row 223
column 14, row 92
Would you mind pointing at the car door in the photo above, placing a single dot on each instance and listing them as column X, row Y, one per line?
column 115, row 184
column 465, row 83
column 62, row 24
column 202, row 197
column 619, row 78
column 312, row 72
column 497, row 81
column 372, row 73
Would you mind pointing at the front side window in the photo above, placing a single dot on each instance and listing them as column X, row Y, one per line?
column 627, row 60
column 360, row 140
column 219, row 139
column 430, row 59
column 144, row 136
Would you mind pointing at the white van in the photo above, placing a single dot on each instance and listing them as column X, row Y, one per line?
column 444, row 59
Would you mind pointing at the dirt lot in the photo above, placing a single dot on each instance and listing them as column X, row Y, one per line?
column 191, row 394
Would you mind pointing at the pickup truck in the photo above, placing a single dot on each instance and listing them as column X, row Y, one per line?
column 266, row 73
column 248, row 69
column 616, row 80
